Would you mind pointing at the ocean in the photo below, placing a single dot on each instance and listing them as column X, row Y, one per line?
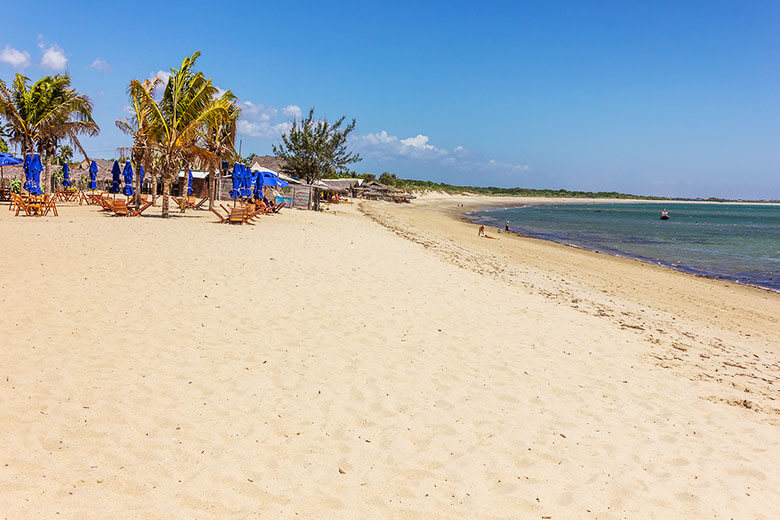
column 734, row 242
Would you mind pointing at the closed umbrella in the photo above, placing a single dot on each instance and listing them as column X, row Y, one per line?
column 115, row 173
column 236, row 177
column 32, row 171
column 141, row 177
column 65, row 175
column 259, row 185
column 93, row 169
column 128, row 173
column 189, row 183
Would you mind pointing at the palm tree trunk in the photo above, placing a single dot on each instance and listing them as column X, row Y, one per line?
column 166, row 192
column 183, row 188
column 154, row 187
column 47, row 174
column 210, row 189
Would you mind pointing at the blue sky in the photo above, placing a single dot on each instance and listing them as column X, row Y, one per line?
column 665, row 98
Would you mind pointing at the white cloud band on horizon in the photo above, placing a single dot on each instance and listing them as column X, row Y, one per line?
column 14, row 57
column 385, row 147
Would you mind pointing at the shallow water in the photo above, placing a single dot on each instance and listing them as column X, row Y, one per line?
column 726, row 241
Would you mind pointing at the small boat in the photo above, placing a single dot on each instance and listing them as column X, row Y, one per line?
column 664, row 215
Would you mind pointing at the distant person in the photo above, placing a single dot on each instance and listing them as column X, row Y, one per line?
column 506, row 226
column 481, row 231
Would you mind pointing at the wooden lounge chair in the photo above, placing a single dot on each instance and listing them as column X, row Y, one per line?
column 278, row 207
column 137, row 212
column 120, row 209
column 106, row 203
column 222, row 219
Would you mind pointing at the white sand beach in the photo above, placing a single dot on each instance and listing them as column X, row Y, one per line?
column 372, row 361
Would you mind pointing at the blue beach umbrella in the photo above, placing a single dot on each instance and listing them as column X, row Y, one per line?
column 236, row 177
column 189, row 183
column 128, row 173
column 32, row 172
column 140, row 176
column 115, row 173
column 259, row 185
column 65, row 175
column 93, row 169
column 269, row 179
column 6, row 159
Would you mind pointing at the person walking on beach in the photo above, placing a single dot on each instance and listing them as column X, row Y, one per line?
column 481, row 231
column 506, row 226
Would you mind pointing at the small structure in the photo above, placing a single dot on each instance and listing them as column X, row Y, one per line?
column 340, row 187
column 200, row 183
column 374, row 190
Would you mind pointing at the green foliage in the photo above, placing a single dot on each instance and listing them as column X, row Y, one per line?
column 16, row 185
column 417, row 185
column 248, row 159
column 3, row 146
column 65, row 155
column 315, row 148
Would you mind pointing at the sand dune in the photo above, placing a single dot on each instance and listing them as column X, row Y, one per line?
column 372, row 362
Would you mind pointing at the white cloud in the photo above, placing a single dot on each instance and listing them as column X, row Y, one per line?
column 15, row 58
column 262, row 128
column 101, row 65
column 385, row 147
column 163, row 75
column 253, row 112
column 292, row 111
column 53, row 57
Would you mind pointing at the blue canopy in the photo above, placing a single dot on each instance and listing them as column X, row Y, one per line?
column 128, row 173
column 140, row 174
column 237, row 181
column 32, row 173
column 115, row 173
column 269, row 179
column 6, row 159
column 93, row 176
column 189, row 183
column 65, row 175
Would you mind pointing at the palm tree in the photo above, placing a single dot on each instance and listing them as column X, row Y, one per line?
column 219, row 138
column 44, row 114
column 139, row 128
column 177, row 120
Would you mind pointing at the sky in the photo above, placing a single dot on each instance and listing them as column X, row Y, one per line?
column 659, row 98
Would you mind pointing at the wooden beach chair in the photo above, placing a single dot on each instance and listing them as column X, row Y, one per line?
column 120, row 209
column 106, row 203
column 49, row 204
column 137, row 212
column 20, row 205
column 222, row 219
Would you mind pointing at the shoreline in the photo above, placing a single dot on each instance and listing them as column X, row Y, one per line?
column 472, row 217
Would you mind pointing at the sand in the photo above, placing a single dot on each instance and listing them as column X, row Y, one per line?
column 372, row 361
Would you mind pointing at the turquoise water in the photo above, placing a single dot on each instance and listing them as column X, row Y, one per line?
column 726, row 241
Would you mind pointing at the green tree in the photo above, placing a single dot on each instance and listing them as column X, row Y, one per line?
column 313, row 148
column 3, row 146
column 40, row 115
column 219, row 138
column 139, row 128
column 388, row 178
column 65, row 155
column 176, row 122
